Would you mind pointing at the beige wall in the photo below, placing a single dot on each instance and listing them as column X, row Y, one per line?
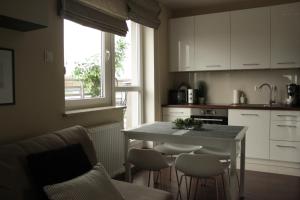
column 39, row 86
column 221, row 84
column 163, row 78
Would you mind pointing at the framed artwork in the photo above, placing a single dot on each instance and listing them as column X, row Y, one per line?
column 7, row 77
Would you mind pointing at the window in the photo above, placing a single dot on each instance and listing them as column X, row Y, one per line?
column 128, row 74
column 87, row 66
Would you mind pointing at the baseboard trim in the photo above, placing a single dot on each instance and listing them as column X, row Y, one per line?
column 270, row 166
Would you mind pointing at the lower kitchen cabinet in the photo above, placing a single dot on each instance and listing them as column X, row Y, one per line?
column 285, row 151
column 257, row 136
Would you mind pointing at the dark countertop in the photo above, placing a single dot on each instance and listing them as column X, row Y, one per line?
column 238, row 106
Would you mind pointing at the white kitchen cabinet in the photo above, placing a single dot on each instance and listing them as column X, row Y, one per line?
column 212, row 41
column 285, row 151
column 170, row 114
column 285, row 126
column 285, row 130
column 281, row 115
column 181, row 44
column 250, row 38
column 285, row 32
column 285, row 136
column 257, row 135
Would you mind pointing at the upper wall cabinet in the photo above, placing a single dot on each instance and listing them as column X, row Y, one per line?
column 250, row 38
column 181, row 44
column 285, row 36
column 23, row 15
column 212, row 41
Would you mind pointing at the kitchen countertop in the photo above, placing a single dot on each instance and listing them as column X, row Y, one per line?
column 237, row 106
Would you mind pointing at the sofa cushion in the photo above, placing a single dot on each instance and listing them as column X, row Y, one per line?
column 13, row 162
column 58, row 165
column 136, row 192
column 93, row 185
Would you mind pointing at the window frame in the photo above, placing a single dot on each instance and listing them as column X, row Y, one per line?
column 140, row 87
column 107, row 62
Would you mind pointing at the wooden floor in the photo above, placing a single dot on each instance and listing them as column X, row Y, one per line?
column 258, row 186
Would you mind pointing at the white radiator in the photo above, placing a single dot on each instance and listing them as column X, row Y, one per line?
column 108, row 141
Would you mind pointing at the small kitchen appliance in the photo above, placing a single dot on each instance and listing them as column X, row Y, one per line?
column 192, row 96
column 177, row 97
column 293, row 92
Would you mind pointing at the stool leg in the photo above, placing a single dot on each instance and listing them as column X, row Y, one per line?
column 223, row 184
column 190, row 187
column 217, row 190
column 170, row 173
column 149, row 177
column 196, row 190
column 237, row 178
column 178, row 185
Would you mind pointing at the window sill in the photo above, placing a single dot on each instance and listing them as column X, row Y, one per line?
column 89, row 110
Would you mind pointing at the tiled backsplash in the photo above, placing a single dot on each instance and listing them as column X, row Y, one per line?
column 220, row 84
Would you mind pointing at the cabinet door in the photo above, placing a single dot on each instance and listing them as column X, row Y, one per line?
column 257, row 136
column 181, row 44
column 171, row 114
column 212, row 41
column 250, row 38
column 285, row 36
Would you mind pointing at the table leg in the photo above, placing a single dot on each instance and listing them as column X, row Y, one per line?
column 127, row 164
column 242, row 167
column 233, row 187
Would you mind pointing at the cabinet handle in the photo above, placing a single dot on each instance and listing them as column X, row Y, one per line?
column 286, row 146
column 251, row 64
column 286, row 115
column 249, row 114
column 213, row 66
column 286, row 63
column 289, row 126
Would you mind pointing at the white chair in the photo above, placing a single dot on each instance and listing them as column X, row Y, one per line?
column 199, row 166
column 148, row 159
column 175, row 149
column 171, row 149
column 223, row 154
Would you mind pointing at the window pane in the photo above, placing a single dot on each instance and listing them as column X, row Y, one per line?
column 126, row 57
column 132, row 101
column 84, row 77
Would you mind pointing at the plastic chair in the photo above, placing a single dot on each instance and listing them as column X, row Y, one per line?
column 199, row 166
column 148, row 159
column 171, row 149
column 222, row 153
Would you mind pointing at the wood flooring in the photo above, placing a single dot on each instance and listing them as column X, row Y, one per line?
column 258, row 186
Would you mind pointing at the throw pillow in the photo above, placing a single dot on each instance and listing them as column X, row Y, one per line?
column 93, row 185
column 58, row 165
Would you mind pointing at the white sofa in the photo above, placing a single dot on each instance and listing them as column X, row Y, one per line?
column 16, row 182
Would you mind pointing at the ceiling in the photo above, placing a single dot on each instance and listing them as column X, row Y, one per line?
column 184, row 7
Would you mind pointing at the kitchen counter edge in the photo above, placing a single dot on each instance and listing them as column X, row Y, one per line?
column 239, row 106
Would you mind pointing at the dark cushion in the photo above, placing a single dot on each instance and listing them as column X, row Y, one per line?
column 59, row 165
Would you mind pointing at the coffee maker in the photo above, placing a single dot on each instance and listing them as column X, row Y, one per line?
column 293, row 92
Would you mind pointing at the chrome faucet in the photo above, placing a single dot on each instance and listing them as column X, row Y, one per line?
column 271, row 88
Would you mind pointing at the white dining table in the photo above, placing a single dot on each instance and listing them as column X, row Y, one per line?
column 208, row 136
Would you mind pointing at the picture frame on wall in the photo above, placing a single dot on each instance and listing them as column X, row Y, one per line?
column 7, row 77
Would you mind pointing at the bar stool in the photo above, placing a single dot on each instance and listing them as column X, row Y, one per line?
column 199, row 166
column 148, row 159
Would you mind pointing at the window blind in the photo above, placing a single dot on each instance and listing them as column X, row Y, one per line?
column 90, row 16
column 145, row 12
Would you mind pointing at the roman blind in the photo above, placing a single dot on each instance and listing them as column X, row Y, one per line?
column 87, row 13
column 145, row 12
